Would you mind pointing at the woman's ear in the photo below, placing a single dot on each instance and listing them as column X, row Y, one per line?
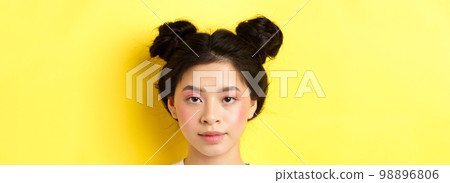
column 171, row 106
column 253, row 106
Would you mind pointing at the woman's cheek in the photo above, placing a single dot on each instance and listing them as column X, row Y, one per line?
column 185, row 113
column 240, row 114
column 240, row 119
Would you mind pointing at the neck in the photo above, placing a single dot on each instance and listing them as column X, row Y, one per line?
column 231, row 157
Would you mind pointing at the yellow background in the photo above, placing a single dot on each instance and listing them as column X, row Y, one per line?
column 383, row 65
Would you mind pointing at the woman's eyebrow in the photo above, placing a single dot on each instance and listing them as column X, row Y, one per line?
column 231, row 88
column 225, row 89
column 190, row 87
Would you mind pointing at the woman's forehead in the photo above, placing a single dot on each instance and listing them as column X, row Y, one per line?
column 216, row 76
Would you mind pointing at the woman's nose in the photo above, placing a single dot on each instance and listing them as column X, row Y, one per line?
column 211, row 113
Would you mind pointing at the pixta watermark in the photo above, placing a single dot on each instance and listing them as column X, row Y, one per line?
column 222, row 78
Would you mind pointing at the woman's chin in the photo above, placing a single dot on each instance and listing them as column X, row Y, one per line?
column 211, row 150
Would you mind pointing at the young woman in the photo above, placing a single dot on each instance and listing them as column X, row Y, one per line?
column 213, row 112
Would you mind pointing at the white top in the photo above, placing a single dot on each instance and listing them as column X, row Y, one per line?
column 179, row 163
column 182, row 163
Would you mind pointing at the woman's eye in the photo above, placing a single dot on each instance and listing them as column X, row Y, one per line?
column 229, row 99
column 194, row 99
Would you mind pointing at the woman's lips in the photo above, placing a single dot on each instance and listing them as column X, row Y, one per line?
column 212, row 136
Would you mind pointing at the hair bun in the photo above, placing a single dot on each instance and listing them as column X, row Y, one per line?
column 166, row 42
column 258, row 33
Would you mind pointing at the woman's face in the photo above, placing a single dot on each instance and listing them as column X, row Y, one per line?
column 212, row 107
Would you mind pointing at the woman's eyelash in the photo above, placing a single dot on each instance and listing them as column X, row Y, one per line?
column 189, row 99
column 231, row 98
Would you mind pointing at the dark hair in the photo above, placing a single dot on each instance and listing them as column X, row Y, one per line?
column 258, row 35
